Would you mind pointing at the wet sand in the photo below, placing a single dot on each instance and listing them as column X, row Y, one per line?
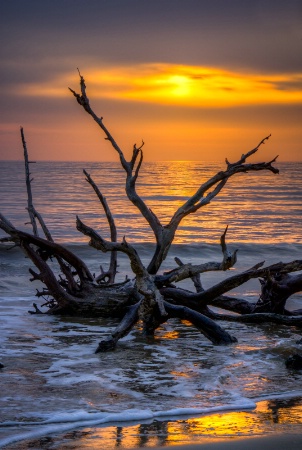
column 274, row 425
column 279, row 442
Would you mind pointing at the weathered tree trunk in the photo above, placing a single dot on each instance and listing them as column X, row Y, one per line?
column 276, row 290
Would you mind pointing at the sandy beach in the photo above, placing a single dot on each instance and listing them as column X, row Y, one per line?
column 279, row 442
column 287, row 441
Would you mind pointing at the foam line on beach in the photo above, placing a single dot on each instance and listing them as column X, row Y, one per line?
column 63, row 422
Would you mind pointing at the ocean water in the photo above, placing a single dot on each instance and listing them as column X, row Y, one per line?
column 56, row 393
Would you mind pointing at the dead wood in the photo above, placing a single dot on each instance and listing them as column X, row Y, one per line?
column 164, row 234
column 125, row 326
column 204, row 324
column 151, row 297
column 276, row 288
column 107, row 277
column 30, row 207
column 230, row 283
column 264, row 318
column 193, row 271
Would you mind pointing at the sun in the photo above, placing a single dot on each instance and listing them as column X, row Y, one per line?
column 180, row 85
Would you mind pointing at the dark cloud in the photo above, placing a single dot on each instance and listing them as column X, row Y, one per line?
column 253, row 35
column 294, row 85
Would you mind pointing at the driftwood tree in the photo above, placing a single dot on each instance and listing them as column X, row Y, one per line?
column 150, row 296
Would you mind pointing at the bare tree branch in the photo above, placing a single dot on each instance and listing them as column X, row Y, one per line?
column 125, row 326
column 232, row 282
column 30, row 207
column 108, row 276
column 192, row 271
column 198, row 200
column 244, row 157
column 33, row 213
column 50, row 247
column 46, row 276
column 164, row 235
column 127, row 166
column 144, row 281
column 264, row 318
column 195, row 278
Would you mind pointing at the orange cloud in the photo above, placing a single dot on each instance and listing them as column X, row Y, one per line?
column 179, row 85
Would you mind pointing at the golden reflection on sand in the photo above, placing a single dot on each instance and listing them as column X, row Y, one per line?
column 268, row 418
column 167, row 335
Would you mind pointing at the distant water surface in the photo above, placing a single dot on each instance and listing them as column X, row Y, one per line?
column 257, row 206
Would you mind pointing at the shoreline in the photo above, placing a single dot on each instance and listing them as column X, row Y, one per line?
column 277, row 441
column 273, row 424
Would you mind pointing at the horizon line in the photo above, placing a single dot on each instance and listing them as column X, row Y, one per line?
column 118, row 162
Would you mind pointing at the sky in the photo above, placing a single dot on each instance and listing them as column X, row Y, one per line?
column 193, row 79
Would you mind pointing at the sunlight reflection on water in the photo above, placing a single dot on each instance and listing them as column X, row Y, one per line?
column 257, row 206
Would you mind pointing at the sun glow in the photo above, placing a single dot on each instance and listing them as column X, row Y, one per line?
column 200, row 430
column 180, row 111
column 191, row 86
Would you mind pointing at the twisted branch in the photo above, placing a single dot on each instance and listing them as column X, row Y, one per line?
column 192, row 271
column 153, row 221
column 232, row 282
